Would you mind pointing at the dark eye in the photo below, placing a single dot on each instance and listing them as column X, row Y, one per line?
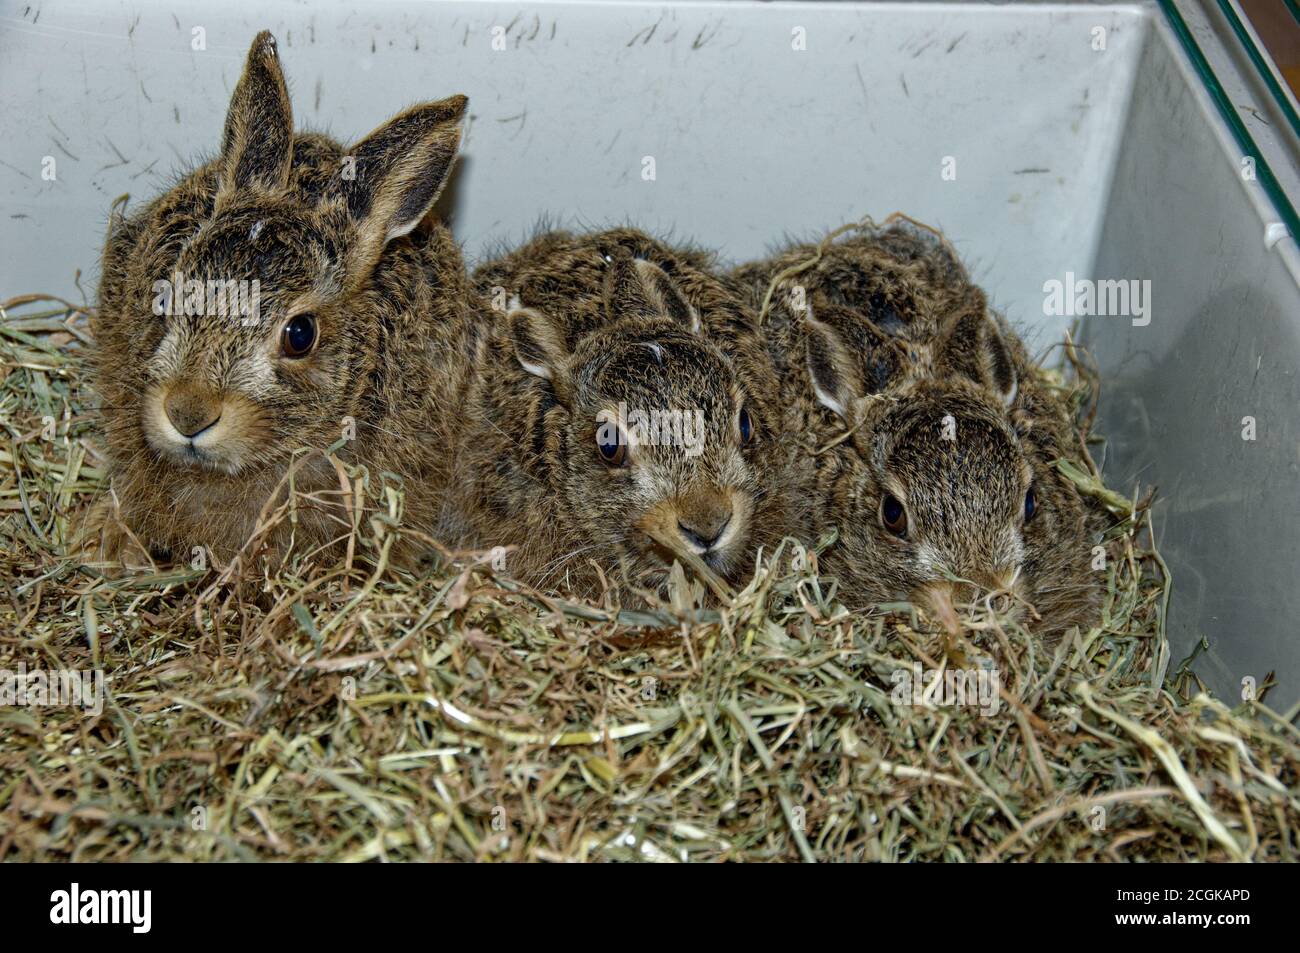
column 611, row 444
column 746, row 427
column 893, row 516
column 1031, row 505
column 298, row 336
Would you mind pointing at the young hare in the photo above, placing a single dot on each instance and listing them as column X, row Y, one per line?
column 277, row 298
column 609, row 432
column 927, row 437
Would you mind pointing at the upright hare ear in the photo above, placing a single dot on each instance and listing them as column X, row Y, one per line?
column 539, row 345
column 973, row 347
column 257, row 144
column 634, row 286
column 832, row 368
column 397, row 173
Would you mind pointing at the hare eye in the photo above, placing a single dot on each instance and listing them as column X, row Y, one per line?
column 746, row 427
column 298, row 336
column 1031, row 505
column 893, row 516
column 612, row 445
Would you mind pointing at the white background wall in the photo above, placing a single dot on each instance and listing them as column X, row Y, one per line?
column 751, row 138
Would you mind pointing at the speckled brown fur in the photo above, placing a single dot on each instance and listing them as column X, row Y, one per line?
column 617, row 309
column 897, row 340
column 394, row 314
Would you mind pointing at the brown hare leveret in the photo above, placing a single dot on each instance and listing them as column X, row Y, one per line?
column 926, row 437
column 903, row 280
column 607, row 429
column 352, row 328
column 564, row 275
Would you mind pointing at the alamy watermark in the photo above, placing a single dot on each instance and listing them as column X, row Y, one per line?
column 1110, row 297
column 60, row 688
column 673, row 428
column 130, row 907
column 931, row 688
column 222, row 298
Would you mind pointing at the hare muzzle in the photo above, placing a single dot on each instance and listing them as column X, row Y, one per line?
column 705, row 523
column 191, row 412
column 193, row 425
column 1001, row 590
column 712, row 524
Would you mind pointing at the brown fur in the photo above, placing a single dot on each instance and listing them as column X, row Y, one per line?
column 393, row 308
column 607, row 318
column 896, row 340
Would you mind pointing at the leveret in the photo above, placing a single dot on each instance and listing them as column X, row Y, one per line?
column 619, row 417
column 281, row 297
column 924, row 433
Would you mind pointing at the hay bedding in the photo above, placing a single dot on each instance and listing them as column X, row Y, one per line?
column 352, row 712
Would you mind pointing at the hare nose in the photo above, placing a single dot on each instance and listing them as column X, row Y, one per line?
column 938, row 598
column 191, row 413
column 996, row 580
column 705, row 528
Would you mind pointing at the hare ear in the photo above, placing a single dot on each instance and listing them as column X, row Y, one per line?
column 634, row 286
column 397, row 172
column 974, row 347
column 539, row 345
column 831, row 368
column 257, row 144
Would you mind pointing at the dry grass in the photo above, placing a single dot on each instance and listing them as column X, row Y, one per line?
column 352, row 712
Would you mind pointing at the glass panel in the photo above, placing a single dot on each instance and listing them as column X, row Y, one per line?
column 1245, row 141
column 1269, row 33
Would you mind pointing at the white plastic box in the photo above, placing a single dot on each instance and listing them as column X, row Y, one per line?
column 1047, row 140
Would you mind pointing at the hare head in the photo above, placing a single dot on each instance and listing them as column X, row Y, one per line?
column 947, row 490
column 646, row 434
column 903, row 280
column 242, row 313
